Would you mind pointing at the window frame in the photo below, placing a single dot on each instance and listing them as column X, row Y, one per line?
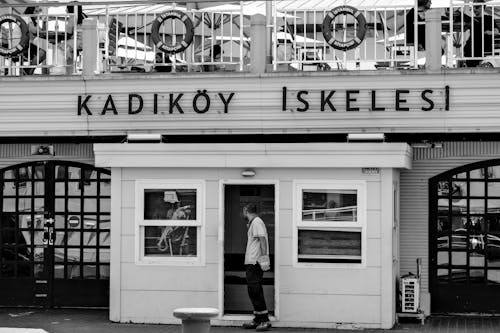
column 140, row 223
column 299, row 187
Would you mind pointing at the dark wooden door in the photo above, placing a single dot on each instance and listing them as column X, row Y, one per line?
column 54, row 235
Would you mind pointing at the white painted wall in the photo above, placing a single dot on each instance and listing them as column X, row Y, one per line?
column 306, row 297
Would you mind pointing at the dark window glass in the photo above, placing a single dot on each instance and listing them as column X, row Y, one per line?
column 329, row 246
column 329, row 205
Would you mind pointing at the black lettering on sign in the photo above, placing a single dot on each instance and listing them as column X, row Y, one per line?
column 374, row 102
column 131, row 97
column 303, row 101
column 349, row 99
column 83, row 105
column 326, row 100
column 400, row 100
column 226, row 101
column 109, row 106
column 428, row 100
column 175, row 103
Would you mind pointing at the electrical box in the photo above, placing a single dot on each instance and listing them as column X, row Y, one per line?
column 410, row 293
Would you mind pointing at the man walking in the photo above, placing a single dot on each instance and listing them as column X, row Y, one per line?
column 256, row 262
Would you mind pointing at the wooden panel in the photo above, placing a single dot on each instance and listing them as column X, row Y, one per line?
column 36, row 107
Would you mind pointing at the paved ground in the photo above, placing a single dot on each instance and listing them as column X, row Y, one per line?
column 95, row 321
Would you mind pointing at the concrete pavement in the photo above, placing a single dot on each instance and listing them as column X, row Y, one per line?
column 96, row 321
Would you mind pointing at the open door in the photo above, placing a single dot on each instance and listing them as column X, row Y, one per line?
column 236, row 300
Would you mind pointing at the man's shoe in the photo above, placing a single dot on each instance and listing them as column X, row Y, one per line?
column 264, row 326
column 250, row 325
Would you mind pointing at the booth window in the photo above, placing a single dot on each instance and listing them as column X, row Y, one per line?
column 169, row 223
column 329, row 222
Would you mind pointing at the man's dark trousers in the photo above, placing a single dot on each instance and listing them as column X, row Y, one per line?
column 254, row 275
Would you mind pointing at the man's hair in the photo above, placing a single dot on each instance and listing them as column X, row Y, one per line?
column 251, row 208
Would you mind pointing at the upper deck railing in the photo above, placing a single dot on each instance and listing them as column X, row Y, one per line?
column 155, row 36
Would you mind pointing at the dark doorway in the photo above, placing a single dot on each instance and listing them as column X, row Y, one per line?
column 55, row 235
column 236, row 300
column 465, row 239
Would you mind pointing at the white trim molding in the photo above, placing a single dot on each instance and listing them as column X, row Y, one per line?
column 243, row 155
column 141, row 222
column 359, row 225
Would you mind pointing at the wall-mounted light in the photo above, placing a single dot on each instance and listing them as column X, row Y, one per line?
column 248, row 173
column 144, row 138
column 365, row 137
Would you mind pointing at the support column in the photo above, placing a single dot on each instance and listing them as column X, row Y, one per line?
column 387, row 253
column 433, row 39
column 258, row 44
column 90, row 44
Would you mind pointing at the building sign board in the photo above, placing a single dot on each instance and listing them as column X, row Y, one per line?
column 202, row 101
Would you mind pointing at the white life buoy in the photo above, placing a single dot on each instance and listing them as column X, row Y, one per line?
column 13, row 50
column 180, row 46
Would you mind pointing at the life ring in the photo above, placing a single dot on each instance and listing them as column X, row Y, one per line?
column 328, row 32
column 24, row 40
column 158, row 41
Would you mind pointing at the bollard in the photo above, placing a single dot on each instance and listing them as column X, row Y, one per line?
column 195, row 320
column 89, row 42
column 433, row 39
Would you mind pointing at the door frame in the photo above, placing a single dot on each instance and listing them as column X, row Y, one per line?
column 221, row 235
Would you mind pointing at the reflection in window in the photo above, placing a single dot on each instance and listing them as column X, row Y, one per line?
column 170, row 222
column 477, row 189
column 329, row 205
column 170, row 204
column 170, row 241
column 329, row 246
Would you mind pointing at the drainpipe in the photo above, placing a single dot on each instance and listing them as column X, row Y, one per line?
column 90, row 42
column 258, row 44
column 433, row 39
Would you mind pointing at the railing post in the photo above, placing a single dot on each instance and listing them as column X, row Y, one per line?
column 258, row 43
column 90, row 43
column 433, row 39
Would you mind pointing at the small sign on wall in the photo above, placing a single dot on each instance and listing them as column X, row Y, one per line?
column 370, row 171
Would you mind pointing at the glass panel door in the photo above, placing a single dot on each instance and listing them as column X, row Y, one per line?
column 54, row 235
column 465, row 240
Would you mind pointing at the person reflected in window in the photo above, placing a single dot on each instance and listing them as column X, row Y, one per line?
column 423, row 6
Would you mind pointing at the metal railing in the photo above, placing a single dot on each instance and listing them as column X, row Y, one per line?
column 377, row 36
column 389, row 40
column 471, row 34
column 343, row 214
column 38, row 39
column 220, row 39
